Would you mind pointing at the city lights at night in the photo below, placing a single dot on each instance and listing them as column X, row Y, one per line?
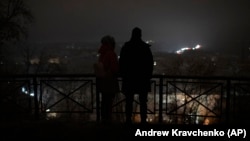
column 180, row 51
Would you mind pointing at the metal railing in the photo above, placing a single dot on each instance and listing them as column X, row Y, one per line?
column 173, row 99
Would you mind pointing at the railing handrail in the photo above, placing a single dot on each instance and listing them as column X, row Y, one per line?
column 153, row 76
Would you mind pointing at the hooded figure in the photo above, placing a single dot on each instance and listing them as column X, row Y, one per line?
column 136, row 68
column 106, row 75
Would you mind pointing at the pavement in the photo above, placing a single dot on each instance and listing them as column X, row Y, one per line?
column 89, row 131
column 61, row 130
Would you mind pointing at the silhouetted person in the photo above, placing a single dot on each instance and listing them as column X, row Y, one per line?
column 136, row 68
column 106, row 74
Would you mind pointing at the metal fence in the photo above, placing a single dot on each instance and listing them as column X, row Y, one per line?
column 172, row 100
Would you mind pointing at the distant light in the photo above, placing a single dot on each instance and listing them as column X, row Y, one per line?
column 155, row 63
column 32, row 94
column 23, row 89
column 185, row 48
column 197, row 47
column 206, row 122
column 180, row 51
column 164, row 101
column 47, row 110
column 149, row 41
column 54, row 60
column 149, row 119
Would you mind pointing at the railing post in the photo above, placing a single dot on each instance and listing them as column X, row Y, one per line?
column 160, row 98
column 97, row 103
column 35, row 98
column 228, row 104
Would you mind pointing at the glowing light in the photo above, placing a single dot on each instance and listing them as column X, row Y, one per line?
column 155, row 63
column 54, row 60
column 206, row 122
column 32, row 94
column 180, row 51
column 197, row 46
column 24, row 90
column 149, row 41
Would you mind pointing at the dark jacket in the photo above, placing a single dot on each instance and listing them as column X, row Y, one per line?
column 136, row 66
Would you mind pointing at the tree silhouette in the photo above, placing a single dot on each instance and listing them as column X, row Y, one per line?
column 14, row 18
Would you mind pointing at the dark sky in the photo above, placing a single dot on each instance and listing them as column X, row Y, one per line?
column 176, row 22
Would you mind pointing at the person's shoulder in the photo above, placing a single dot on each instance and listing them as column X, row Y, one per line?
column 128, row 43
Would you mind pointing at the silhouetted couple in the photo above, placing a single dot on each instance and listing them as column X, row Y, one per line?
column 135, row 66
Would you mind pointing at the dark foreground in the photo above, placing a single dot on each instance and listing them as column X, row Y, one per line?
column 58, row 130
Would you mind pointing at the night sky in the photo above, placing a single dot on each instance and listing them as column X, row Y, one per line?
column 176, row 23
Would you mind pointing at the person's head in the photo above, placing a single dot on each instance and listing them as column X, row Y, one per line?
column 136, row 33
column 108, row 40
